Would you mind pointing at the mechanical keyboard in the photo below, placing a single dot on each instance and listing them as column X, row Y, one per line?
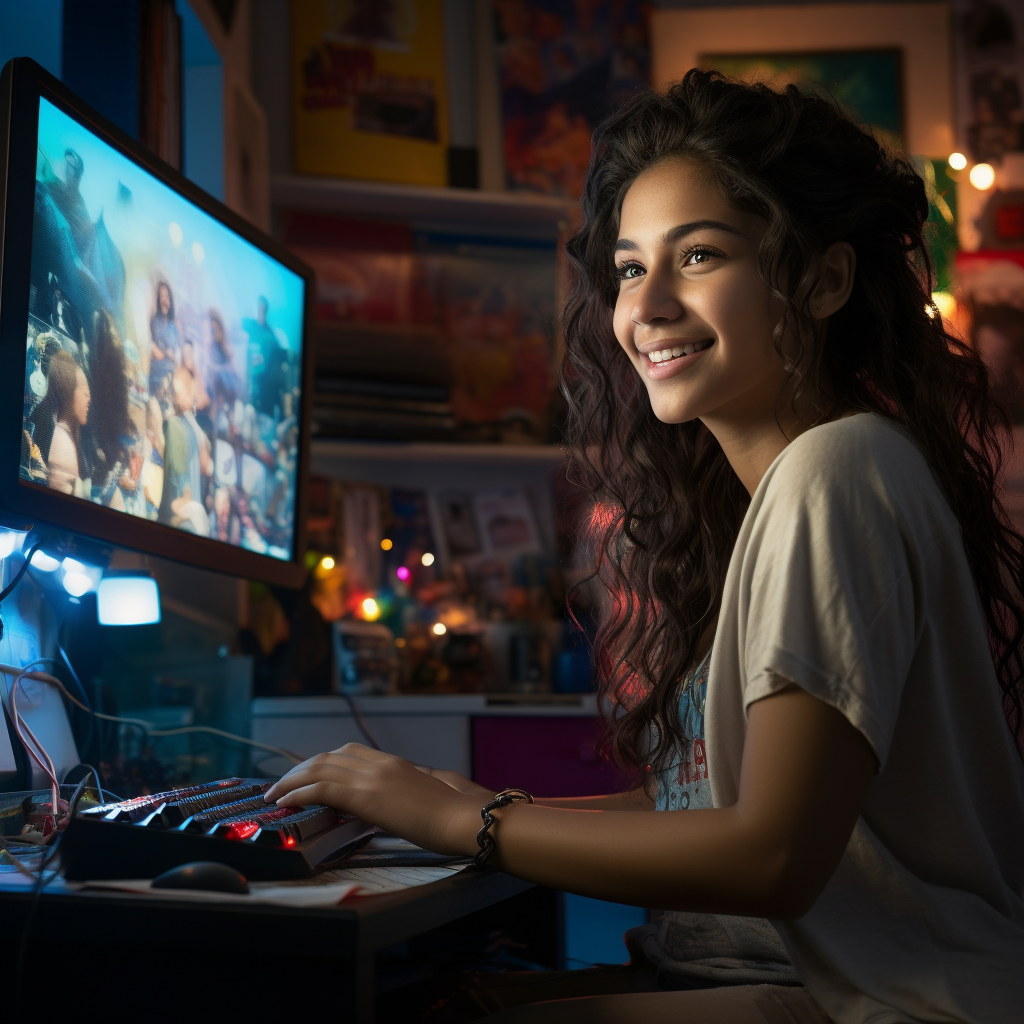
column 227, row 821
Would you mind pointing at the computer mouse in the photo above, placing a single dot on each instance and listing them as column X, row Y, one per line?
column 203, row 874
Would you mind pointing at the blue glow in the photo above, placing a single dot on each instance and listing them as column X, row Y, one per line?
column 128, row 601
column 233, row 273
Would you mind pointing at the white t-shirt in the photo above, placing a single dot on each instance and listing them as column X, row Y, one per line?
column 849, row 578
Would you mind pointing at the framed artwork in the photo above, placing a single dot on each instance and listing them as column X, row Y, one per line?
column 868, row 83
column 908, row 45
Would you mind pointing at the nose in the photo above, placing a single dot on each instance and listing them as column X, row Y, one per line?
column 654, row 301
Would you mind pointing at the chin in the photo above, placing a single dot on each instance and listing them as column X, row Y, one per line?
column 669, row 411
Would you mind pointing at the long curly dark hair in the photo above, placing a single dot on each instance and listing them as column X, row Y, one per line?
column 111, row 428
column 669, row 505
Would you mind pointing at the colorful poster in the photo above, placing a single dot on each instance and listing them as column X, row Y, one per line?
column 868, row 83
column 563, row 66
column 369, row 90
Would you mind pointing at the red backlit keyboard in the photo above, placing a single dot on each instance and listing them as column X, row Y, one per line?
column 226, row 821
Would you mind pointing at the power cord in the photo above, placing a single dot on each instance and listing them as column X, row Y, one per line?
column 357, row 714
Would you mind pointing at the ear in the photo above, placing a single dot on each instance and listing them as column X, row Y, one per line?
column 839, row 265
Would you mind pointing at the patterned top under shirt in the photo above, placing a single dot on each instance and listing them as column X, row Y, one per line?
column 684, row 784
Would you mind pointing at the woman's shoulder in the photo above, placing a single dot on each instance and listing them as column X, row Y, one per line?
column 61, row 438
column 864, row 463
column 853, row 449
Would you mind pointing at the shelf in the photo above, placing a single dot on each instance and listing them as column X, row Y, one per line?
column 419, row 203
column 327, row 451
column 553, row 705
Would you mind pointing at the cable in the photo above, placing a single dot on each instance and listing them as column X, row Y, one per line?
column 32, row 745
column 357, row 714
column 95, row 775
column 40, row 885
column 147, row 727
column 81, row 689
column 6, row 592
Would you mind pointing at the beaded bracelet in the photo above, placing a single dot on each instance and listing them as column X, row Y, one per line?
column 484, row 839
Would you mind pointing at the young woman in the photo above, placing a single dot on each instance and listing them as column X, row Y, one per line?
column 70, row 399
column 799, row 466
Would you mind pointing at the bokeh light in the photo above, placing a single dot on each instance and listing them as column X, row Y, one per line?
column 371, row 610
column 439, row 629
column 983, row 176
column 327, row 562
column 427, row 559
column 402, row 572
column 386, row 545
column 945, row 304
column 957, row 161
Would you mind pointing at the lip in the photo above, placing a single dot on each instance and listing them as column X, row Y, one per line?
column 662, row 371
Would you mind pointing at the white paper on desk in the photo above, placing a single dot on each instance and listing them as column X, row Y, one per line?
column 374, row 881
column 324, row 890
column 283, row 893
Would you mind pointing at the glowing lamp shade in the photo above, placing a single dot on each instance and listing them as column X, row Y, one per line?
column 44, row 562
column 77, row 583
column 10, row 541
column 126, row 601
column 982, row 176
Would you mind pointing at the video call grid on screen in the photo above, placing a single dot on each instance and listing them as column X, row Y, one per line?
column 163, row 352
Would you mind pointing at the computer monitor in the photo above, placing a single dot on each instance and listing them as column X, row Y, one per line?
column 154, row 362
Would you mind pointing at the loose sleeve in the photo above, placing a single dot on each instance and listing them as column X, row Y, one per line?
column 827, row 594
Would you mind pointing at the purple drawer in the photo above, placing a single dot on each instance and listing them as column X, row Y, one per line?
column 545, row 756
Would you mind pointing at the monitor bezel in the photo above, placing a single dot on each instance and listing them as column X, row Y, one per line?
column 23, row 83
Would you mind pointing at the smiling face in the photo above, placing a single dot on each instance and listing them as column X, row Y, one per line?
column 692, row 313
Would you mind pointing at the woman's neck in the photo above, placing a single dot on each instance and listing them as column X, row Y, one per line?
column 753, row 443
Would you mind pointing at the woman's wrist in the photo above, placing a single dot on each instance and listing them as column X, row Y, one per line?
column 462, row 824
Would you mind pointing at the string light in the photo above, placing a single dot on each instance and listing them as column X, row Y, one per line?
column 983, row 176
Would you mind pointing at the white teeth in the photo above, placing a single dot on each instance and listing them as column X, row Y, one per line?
column 664, row 354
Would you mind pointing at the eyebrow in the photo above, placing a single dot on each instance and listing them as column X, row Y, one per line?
column 681, row 231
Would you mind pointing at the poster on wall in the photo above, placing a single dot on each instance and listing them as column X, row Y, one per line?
column 368, row 90
column 563, row 67
column 867, row 83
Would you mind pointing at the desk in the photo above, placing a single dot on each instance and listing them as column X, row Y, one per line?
column 145, row 948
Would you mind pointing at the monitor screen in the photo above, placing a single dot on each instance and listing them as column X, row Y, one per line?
column 163, row 352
